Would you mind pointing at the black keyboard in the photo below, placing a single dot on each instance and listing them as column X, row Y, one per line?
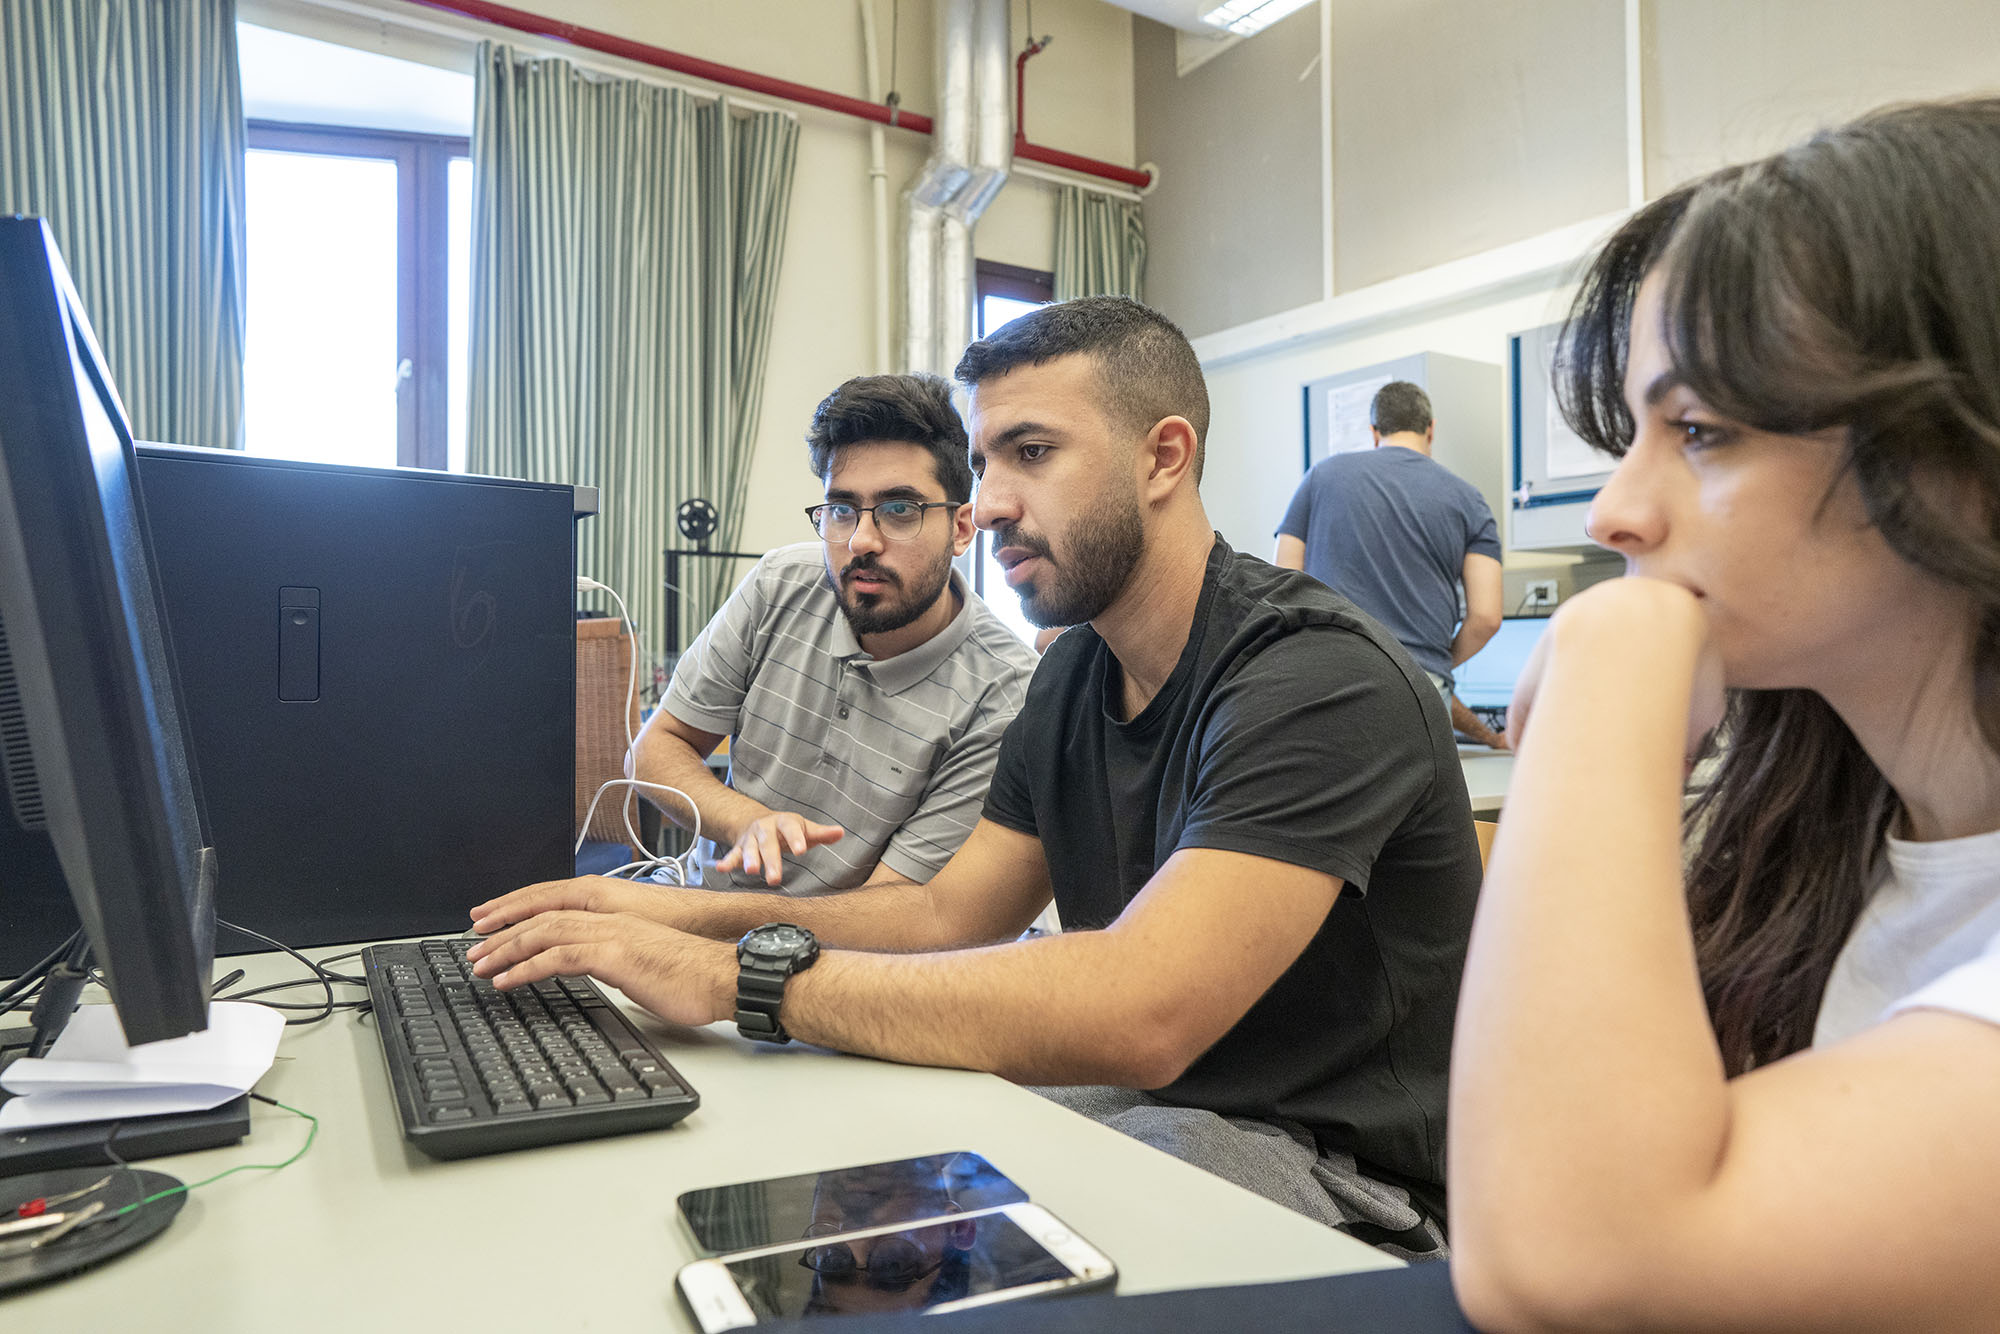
column 477, row 1070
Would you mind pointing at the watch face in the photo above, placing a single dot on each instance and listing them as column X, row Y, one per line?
column 781, row 941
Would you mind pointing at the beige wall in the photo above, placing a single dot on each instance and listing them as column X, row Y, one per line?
column 1787, row 67
column 1723, row 80
column 1459, row 126
column 1233, row 232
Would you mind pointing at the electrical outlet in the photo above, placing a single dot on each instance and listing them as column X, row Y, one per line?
column 1541, row 592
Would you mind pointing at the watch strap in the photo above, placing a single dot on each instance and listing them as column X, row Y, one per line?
column 760, row 990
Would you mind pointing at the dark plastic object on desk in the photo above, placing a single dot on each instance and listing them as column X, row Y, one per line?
column 1413, row 1300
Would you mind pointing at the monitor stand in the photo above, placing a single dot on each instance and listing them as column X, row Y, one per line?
column 133, row 1139
column 99, row 1143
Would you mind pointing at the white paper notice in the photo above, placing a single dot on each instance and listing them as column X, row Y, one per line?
column 1568, row 455
column 1350, row 415
column 91, row 1075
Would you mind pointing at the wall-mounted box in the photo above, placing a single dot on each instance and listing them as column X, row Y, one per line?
column 1552, row 474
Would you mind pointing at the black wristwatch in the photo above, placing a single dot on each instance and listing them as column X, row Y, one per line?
column 766, row 957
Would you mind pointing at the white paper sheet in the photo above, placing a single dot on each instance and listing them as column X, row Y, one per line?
column 92, row 1075
column 1568, row 455
column 1350, row 415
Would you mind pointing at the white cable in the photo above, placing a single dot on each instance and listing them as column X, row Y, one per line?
column 649, row 863
column 684, row 865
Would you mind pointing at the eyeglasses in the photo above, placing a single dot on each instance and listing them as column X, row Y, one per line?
column 893, row 1262
column 896, row 520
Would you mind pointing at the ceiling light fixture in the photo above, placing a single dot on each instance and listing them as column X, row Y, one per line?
column 1244, row 17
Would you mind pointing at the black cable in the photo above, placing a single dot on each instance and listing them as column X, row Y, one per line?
column 895, row 43
column 287, row 986
column 318, row 974
column 26, row 998
column 33, row 976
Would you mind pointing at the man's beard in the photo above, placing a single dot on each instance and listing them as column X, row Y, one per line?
column 1103, row 552
column 879, row 613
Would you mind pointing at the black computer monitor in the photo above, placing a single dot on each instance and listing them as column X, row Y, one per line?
column 92, row 733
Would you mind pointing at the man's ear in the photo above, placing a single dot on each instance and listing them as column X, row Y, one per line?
column 1167, row 459
column 962, row 529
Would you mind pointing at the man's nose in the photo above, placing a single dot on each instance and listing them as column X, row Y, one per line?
column 867, row 535
column 994, row 505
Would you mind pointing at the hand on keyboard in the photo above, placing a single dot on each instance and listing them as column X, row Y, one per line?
column 661, row 904
column 682, row 978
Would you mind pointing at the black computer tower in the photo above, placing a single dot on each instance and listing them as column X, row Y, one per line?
column 379, row 667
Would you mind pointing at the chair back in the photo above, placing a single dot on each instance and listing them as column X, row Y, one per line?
column 1486, row 829
column 603, row 666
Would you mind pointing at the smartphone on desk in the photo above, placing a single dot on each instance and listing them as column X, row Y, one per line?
column 1004, row 1253
column 747, row 1214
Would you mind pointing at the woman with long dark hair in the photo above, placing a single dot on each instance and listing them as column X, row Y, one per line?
column 1735, row 1063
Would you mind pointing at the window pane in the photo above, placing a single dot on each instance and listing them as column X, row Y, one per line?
column 458, row 332
column 320, row 365
column 995, row 311
column 1006, row 604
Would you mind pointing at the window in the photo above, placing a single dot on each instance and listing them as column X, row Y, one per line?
column 1004, row 292
column 359, row 264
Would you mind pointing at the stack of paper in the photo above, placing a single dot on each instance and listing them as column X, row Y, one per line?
column 91, row 1075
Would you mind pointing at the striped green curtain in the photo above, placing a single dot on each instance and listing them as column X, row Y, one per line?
column 626, row 243
column 121, row 122
column 1100, row 246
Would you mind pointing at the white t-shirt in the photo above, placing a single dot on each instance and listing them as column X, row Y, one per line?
column 1929, row 938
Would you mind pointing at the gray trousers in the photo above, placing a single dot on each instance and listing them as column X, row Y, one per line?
column 1276, row 1159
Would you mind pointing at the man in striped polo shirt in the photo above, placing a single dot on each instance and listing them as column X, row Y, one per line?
column 863, row 686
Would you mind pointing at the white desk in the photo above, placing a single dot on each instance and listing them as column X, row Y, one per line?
column 1486, row 775
column 364, row 1232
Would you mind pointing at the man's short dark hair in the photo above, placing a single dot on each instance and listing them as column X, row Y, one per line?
column 916, row 409
column 1401, row 406
column 1148, row 369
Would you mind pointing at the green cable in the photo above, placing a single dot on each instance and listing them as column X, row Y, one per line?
column 241, row 1167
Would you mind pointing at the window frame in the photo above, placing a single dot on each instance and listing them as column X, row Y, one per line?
column 423, row 264
column 992, row 278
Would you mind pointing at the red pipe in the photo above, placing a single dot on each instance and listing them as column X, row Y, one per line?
column 520, row 20
column 1056, row 157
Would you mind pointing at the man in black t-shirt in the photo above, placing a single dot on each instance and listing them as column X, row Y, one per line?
column 1244, row 789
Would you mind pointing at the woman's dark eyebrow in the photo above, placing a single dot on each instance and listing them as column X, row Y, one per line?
column 1663, row 384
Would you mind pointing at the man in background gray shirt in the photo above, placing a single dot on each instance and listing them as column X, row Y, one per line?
column 1397, row 532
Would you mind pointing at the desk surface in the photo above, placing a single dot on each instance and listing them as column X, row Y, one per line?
column 1486, row 774
column 366, row 1232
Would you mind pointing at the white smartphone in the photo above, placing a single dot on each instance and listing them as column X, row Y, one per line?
column 976, row 1258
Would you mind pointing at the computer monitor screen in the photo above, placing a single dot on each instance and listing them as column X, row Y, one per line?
column 1486, row 679
column 91, row 727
